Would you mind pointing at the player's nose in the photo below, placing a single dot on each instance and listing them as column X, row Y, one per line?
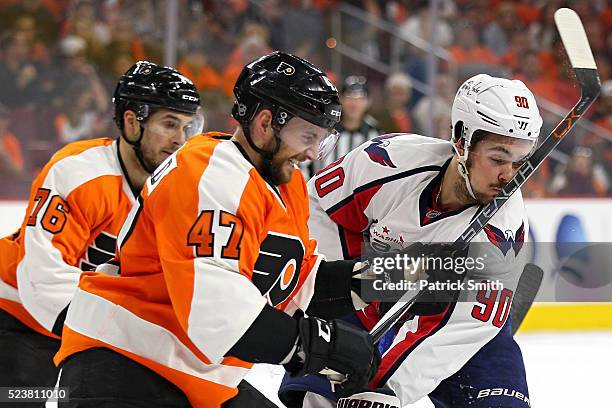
column 311, row 153
column 179, row 138
column 506, row 173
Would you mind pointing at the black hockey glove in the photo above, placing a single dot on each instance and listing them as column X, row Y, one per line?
column 338, row 346
column 332, row 292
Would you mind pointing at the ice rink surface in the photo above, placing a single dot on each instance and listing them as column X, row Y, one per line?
column 564, row 370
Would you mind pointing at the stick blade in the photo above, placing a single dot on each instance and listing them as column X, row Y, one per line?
column 526, row 291
column 574, row 39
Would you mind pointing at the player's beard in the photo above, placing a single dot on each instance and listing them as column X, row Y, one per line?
column 277, row 175
column 462, row 192
column 277, row 170
column 148, row 157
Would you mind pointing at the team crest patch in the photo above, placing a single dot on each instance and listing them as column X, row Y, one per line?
column 285, row 68
column 433, row 213
column 505, row 240
column 378, row 153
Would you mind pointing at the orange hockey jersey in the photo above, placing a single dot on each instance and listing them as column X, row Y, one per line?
column 77, row 206
column 209, row 245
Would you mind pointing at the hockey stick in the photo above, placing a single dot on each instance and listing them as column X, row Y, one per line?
column 526, row 291
column 581, row 58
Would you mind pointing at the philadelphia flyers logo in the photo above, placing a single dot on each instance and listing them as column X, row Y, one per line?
column 277, row 269
column 285, row 68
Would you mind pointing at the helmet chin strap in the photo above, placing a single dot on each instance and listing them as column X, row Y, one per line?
column 266, row 155
column 463, row 170
column 138, row 149
column 462, row 162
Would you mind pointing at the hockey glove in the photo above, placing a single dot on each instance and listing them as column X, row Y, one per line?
column 338, row 346
column 437, row 262
column 332, row 292
column 430, row 264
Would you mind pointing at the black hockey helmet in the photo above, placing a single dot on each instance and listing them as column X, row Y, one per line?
column 289, row 86
column 147, row 86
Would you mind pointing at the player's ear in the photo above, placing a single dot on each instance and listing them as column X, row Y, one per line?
column 261, row 130
column 130, row 124
column 459, row 144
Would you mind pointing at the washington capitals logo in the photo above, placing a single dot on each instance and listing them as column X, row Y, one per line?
column 377, row 153
column 506, row 240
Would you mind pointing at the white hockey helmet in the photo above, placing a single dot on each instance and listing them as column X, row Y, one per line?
column 497, row 105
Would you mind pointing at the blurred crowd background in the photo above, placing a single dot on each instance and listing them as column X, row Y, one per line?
column 397, row 64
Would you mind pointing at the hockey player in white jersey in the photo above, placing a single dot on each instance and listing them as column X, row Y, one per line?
column 400, row 189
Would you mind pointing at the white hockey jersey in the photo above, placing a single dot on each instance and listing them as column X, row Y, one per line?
column 384, row 192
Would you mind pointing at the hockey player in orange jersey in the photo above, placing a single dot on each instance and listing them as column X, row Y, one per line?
column 216, row 265
column 77, row 206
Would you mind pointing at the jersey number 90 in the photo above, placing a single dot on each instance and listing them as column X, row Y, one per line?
column 488, row 300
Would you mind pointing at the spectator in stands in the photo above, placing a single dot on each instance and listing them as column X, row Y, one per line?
column 82, row 114
column 207, row 34
column 474, row 12
column 126, row 41
column 252, row 46
column 393, row 114
column 250, row 30
column 528, row 11
column 543, row 31
column 435, row 108
column 76, row 69
column 234, row 14
column 304, row 32
column 498, row 33
column 20, row 75
column 11, row 158
column 121, row 64
column 513, row 58
column 25, row 26
column 532, row 74
column 147, row 18
column 597, row 36
column 581, row 176
column 419, row 25
column 272, row 17
column 217, row 37
column 46, row 21
column 359, row 33
column 537, row 186
column 84, row 21
column 194, row 65
column 468, row 50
